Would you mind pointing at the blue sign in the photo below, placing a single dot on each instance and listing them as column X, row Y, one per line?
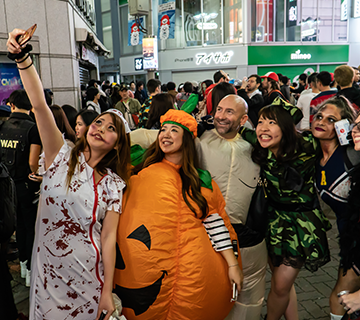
column 166, row 19
column 135, row 36
column 9, row 80
column 139, row 64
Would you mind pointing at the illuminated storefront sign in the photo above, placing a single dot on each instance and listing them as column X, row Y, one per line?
column 300, row 56
column 150, row 54
column 139, row 64
column 217, row 57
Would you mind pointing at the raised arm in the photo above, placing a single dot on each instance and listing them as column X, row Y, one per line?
column 49, row 133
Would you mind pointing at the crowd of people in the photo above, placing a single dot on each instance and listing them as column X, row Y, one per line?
column 148, row 194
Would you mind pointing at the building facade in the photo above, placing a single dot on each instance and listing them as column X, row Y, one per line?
column 244, row 37
column 66, row 48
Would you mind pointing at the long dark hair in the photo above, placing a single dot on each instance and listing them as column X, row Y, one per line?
column 289, row 140
column 87, row 115
column 274, row 85
column 160, row 104
column 71, row 114
column 118, row 160
column 62, row 122
column 191, row 184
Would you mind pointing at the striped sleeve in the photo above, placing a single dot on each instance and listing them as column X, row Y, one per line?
column 217, row 232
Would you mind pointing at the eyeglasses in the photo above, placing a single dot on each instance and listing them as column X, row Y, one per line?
column 355, row 127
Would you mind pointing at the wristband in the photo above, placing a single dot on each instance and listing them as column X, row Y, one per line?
column 20, row 55
column 27, row 66
column 234, row 265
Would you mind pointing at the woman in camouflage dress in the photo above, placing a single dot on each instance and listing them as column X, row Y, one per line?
column 296, row 234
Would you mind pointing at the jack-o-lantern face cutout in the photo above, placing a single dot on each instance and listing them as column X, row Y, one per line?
column 142, row 298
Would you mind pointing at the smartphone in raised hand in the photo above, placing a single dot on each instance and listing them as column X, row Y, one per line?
column 25, row 38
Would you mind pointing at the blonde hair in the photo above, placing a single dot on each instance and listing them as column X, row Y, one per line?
column 344, row 75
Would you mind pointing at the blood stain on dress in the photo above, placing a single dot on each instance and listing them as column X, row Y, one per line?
column 60, row 244
column 72, row 295
column 65, row 307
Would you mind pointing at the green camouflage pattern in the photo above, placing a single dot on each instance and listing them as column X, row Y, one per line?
column 295, row 112
column 294, row 238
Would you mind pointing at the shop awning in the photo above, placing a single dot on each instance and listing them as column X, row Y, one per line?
column 83, row 35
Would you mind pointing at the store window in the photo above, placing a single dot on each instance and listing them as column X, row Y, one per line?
column 107, row 33
column 340, row 25
column 192, row 16
column 210, row 22
column 125, row 49
column 105, row 5
column 298, row 20
column 279, row 15
column 293, row 21
column 206, row 22
column 233, row 21
column 262, row 15
column 107, row 27
column 179, row 40
column 325, row 17
column 309, row 21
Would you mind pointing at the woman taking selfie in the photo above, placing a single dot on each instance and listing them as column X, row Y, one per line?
column 296, row 234
column 80, row 202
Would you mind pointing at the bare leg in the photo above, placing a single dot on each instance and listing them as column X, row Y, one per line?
column 291, row 312
column 282, row 281
column 349, row 282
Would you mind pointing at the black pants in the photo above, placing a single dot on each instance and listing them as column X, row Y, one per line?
column 26, row 217
column 7, row 304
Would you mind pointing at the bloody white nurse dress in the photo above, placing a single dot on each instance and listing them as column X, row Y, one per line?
column 67, row 269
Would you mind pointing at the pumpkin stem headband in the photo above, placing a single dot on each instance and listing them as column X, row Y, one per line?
column 181, row 119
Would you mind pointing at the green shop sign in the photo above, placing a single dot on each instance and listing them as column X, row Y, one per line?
column 293, row 72
column 270, row 55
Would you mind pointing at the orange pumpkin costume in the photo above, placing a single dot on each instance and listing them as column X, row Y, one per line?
column 166, row 268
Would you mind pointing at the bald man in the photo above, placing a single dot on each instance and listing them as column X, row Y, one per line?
column 224, row 153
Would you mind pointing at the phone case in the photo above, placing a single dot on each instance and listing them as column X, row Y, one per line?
column 23, row 39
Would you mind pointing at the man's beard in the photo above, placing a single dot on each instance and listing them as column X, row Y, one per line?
column 224, row 129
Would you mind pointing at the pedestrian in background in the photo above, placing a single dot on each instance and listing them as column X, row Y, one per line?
column 83, row 119
column 250, row 92
column 21, row 148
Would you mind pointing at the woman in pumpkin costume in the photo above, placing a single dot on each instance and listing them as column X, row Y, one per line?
column 166, row 267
